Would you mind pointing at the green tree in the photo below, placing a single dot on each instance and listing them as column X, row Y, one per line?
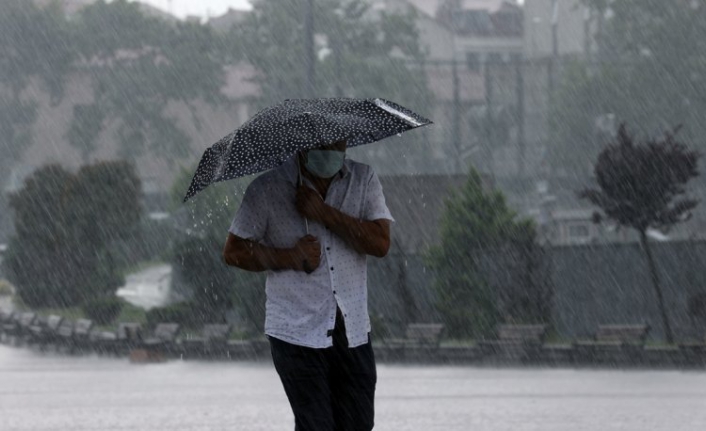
column 475, row 223
column 66, row 226
column 139, row 65
column 640, row 187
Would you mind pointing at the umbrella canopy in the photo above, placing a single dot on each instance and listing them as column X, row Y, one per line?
column 277, row 133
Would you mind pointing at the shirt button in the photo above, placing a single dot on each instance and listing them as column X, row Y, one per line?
column 334, row 292
column 328, row 248
column 331, row 268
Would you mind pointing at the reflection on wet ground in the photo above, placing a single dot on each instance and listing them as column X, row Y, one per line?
column 48, row 392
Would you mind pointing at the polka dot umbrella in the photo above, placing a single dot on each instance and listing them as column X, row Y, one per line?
column 276, row 133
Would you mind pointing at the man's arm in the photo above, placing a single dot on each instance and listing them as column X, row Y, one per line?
column 252, row 256
column 365, row 236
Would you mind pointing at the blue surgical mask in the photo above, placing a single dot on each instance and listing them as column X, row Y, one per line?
column 325, row 163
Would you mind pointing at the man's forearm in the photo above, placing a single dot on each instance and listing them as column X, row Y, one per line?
column 368, row 237
column 251, row 256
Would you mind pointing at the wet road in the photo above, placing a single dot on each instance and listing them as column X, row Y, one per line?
column 46, row 392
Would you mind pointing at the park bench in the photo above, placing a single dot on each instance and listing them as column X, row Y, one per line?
column 7, row 324
column 515, row 342
column 82, row 335
column 419, row 339
column 613, row 344
column 213, row 341
column 73, row 336
column 694, row 352
column 126, row 337
column 158, row 345
column 44, row 331
column 423, row 334
column 19, row 331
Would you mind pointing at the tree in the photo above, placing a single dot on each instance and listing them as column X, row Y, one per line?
column 199, row 270
column 475, row 224
column 139, row 65
column 640, row 187
column 359, row 53
column 650, row 72
column 66, row 226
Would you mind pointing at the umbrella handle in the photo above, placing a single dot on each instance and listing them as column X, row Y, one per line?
column 301, row 182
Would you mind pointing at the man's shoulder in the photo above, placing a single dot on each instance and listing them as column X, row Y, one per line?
column 359, row 168
column 266, row 179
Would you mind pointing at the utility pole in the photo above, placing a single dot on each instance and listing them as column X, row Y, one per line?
column 310, row 78
column 456, row 119
column 553, row 62
column 489, row 141
column 520, row 116
column 456, row 131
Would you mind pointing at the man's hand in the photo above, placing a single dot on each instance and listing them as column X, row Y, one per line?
column 310, row 204
column 308, row 252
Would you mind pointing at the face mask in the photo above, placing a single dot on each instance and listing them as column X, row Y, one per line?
column 325, row 163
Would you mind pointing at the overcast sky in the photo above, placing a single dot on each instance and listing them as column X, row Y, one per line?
column 202, row 8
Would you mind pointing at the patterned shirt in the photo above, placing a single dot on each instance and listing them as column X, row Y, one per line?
column 301, row 307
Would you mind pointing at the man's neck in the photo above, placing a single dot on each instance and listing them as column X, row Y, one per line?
column 321, row 184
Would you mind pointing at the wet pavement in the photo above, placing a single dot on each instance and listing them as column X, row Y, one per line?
column 48, row 392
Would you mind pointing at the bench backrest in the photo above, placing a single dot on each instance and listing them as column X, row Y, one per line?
column 66, row 328
column 166, row 331
column 216, row 332
column 622, row 333
column 6, row 316
column 53, row 322
column 26, row 319
column 129, row 331
column 424, row 332
column 510, row 332
column 82, row 327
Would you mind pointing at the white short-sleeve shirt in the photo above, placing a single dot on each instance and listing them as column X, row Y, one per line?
column 301, row 307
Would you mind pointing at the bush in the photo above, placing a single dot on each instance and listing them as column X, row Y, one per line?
column 60, row 256
column 6, row 288
column 103, row 311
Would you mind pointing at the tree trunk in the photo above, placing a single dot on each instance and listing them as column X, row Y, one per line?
column 656, row 285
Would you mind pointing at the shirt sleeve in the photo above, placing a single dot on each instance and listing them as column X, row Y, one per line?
column 250, row 221
column 375, row 206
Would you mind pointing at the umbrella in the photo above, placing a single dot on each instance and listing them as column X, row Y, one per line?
column 277, row 133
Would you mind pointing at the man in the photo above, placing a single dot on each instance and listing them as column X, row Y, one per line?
column 311, row 223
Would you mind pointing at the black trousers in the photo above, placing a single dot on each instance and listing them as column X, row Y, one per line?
column 330, row 389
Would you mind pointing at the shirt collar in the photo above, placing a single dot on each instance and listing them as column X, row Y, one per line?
column 289, row 170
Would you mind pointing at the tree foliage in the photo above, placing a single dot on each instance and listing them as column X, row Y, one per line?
column 360, row 52
column 65, row 228
column 650, row 73
column 640, row 185
column 475, row 224
column 138, row 65
column 199, row 270
column 34, row 46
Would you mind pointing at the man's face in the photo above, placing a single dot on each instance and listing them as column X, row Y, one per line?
column 317, row 161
